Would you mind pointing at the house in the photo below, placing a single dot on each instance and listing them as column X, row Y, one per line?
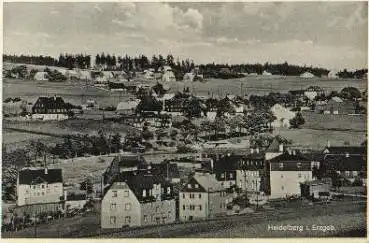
column 286, row 172
column 39, row 185
column 41, row 76
column 75, row 199
column 143, row 199
column 344, row 150
column 265, row 73
column 338, row 106
column 243, row 171
column 283, row 116
column 275, row 149
column 127, row 107
column 349, row 166
column 202, row 197
column 307, row 75
column 168, row 75
column 316, row 189
column 50, row 108
column 332, row 75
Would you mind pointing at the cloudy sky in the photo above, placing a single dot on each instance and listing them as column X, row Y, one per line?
column 328, row 34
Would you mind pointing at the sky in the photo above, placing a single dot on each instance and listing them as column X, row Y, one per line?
column 324, row 34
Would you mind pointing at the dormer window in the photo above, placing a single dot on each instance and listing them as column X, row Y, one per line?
column 144, row 193
column 196, row 186
column 281, row 165
column 168, row 190
column 189, row 186
column 299, row 165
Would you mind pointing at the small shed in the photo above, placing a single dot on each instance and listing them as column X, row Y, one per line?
column 318, row 189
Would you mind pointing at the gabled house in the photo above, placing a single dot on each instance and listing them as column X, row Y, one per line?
column 286, row 172
column 143, row 199
column 39, row 186
column 50, row 108
column 202, row 197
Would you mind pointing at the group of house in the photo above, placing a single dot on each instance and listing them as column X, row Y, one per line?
column 137, row 193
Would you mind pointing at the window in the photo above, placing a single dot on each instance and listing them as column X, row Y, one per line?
column 144, row 193
column 43, row 186
column 280, row 165
column 145, row 218
column 298, row 165
column 168, row 190
column 199, row 195
column 200, row 207
column 113, row 219
column 127, row 206
column 189, row 186
column 34, row 187
column 184, row 207
column 222, row 175
column 115, row 193
column 282, row 188
column 113, row 206
column 43, row 193
column 299, row 175
column 127, row 219
column 196, row 186
column 221, row 205
column 231, row 175
column 183, row 195
column 126, row 193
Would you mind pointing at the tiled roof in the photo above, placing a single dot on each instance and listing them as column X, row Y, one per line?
column 345, row 149
column 36, row 176
column 289, row 157
column 346, row 163
column 208, row 182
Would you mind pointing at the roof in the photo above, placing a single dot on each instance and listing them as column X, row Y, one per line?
column 289, row 157
column 164, row 168
column 119, row 185
column 345, row 149
column 346, row 163
column 128, row 105
column 274, row 146
column 208, row 182
column 307, row 75
column 317, row 182
column 281, row 112
column 37, row 175
column 55, row 102
column 130, row 161
column 337, row 99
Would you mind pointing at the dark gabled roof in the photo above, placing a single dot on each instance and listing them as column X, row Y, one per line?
column 228, row 163
column 52, row 102
column 76, row 197
column 346, row 163
column 37, row 176
column 289, row 157
column 164, row 168
column 274, row 146
column 345, row 149
column 131, row 161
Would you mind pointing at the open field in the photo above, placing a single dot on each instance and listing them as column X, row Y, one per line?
column 77, row 93
column 317, row 139
column 338, row 122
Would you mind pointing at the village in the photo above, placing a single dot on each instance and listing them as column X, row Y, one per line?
column 161, row 154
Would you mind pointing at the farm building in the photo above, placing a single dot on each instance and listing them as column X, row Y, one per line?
column 307, row 75
column 283, row 116
column 41, row 76
column 332, row 75
column 316, row 188
column 50, row 108
column 127, row 107
column 336, row 106
column 265, row 73
column 168, row 76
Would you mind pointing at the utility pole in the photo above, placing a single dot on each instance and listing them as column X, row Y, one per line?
column 34, row 224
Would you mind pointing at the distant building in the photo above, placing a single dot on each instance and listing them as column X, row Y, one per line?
column 336, row 106
column 75, row 199
column 307, row 75
column 39, row 185
column 316, row 189
column 50, row 108
column 275, row 149
column 41, row 76
column 168, row 75
column 127, row 107
column 143, row 199
column 332, row 75
column 283, row 116
column 202, row 197
column 286, row 172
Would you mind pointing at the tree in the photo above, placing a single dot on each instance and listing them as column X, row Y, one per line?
column 297, row 121
column 115, row 143
column 350, row 93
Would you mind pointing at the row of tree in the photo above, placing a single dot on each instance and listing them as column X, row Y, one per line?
column 359, row 73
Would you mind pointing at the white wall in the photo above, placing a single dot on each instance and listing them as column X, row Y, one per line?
column 49, row 117
column 120, row 212
column 75, row 204
column 248, row 179
column 284, row 183
column 187, row 201
column 41, row 193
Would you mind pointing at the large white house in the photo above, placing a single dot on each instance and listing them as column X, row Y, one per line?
column 283, row 116
column 287, row 171
column 39, row 185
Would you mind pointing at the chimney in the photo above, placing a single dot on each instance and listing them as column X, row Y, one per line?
column 46, row 171
column 281, row 148
column 54, row 97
